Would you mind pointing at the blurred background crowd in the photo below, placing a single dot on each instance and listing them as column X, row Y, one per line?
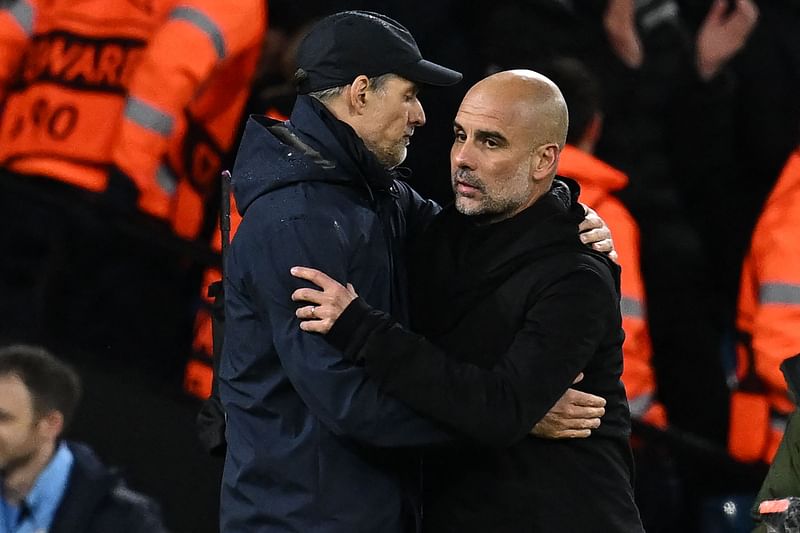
column 117, row 116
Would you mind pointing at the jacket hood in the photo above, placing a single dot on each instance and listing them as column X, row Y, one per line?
column 311, row 146
column 595, row 177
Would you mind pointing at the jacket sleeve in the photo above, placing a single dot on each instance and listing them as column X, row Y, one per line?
column 17, row 20
column 496, row 406
column 194, row 40
column 336, row 391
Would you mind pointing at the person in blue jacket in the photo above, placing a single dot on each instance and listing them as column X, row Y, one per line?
column 313, row 444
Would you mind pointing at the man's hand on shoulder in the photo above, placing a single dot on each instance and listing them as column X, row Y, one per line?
column 595, row 233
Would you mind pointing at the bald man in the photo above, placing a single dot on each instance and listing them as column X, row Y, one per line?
column 511, row 307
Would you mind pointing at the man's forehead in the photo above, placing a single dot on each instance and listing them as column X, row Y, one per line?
column 485, row 114
column 13, row 393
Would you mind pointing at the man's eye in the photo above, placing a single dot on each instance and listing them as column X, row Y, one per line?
column 491, row 143
column 460, row 136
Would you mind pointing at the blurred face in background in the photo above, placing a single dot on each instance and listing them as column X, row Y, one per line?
column 21, row 430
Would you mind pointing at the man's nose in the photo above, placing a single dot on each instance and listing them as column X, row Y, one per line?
column 417, row 115
column 461, row 156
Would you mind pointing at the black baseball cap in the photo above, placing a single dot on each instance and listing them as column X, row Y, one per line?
column 344, row 45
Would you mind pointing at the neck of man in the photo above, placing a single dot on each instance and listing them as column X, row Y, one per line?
column 20, row 477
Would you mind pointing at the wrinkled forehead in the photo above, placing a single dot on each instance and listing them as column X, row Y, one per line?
column 486, row 109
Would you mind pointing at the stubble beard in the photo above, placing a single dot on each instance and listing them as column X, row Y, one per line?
column 487, row 208
column 390, row 156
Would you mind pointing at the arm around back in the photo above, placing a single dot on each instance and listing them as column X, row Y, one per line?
column 336, row 391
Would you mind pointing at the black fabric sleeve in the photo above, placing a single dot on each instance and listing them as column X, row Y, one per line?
column 496, row 406
column 353, row 327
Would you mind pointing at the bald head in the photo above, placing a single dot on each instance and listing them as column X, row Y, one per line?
column 530, row 101
column 509, row 132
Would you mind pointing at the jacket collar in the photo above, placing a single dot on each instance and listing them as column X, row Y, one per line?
column 313, row 120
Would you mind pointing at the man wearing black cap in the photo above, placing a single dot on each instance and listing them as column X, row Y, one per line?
column 313, row 445
column 307, row 435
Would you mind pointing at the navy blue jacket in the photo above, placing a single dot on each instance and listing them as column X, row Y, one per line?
column 97, row 501
column 313, row 445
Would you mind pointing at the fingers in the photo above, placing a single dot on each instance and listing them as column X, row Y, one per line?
column 596, row 235
column 316, row 326
column 351, row 289
column 578, row 379
column 313, row 275
column 745, row 15
column 574, row 434
column 590, row 221
column 309, row 312
column 550, row 428
column 605, row 246
column 314, row 319
column 582, row 399
column 717, row 12
column 308, row 295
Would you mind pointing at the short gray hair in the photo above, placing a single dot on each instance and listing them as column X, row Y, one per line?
column 377, row 83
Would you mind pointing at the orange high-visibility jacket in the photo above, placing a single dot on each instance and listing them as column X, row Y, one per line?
column 598, row 181
column 16, row 24
column 769, row 299
column 155, row 87
column 198, row 375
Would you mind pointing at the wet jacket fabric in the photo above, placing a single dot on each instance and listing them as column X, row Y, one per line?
column 769, row 313
column 512, row 312
column 312, row 443
column 97, row 501
column 155, row 88
column 599, row 181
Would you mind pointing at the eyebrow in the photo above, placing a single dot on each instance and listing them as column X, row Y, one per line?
column 482, row 135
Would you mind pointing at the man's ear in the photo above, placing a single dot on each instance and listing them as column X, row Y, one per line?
column 51, row 424
column 545, row 161
column 357, row 94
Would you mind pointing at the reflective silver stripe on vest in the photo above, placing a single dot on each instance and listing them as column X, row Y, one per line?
column 22, row 12
column 640, row 405
column 166, row 179
column 205, row 24
column 779, row 293
column 149, row 117
column 631, row 307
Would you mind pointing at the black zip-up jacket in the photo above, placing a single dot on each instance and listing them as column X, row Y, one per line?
column 512, row 311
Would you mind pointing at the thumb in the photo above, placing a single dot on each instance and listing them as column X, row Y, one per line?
column 716, row 13
column 351, row 289
column 578, row 379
